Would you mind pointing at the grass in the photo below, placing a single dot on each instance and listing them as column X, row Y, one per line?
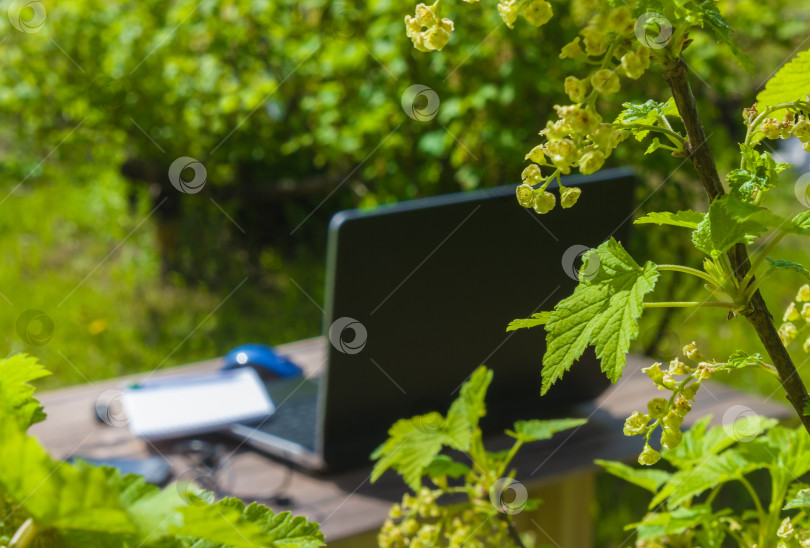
column 84, row 256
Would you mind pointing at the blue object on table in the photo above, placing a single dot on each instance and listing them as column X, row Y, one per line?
column 264, row 359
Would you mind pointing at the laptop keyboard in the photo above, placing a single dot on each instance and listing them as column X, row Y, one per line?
column 295, row 420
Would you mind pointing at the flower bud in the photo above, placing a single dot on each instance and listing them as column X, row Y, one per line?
column 802, row 130
column 525, row 195
column 787, row 333
column 596, row 41
column 770, row 127
column 671, row 438
column 690, row 391
column 749, row 114
column 537, row 155
column 538, row 13
column 395, row 512
column 532, row 174
column 621, row 21
column 636, row 424
column 677, row 367
column 786, row 530
column 681, row 407
column 426, row 15
column 791, row 314
column 561, row 153
column 803, row 295
column 649, row 456
column 691, row 352
column 569, row 196
column 634, row 64
column 657, row 407
column 576, row 88
column 673, row 420
column 572, row 50
column 654, row 372
column 705, row 370
column 605, row 81
column 591, row 162
column 508, row 11
column 544, row 202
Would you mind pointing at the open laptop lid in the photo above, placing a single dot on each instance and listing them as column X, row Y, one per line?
column 419, row 294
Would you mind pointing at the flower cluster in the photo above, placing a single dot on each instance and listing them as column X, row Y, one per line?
column 579, row 138
column 788, row 331
column 792, row 125
column 419, row 522
column 426, row 29
column 683, row 381
column 536, row 12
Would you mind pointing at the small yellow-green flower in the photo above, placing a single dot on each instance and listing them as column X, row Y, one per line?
column 569, row 196
column 605, row 81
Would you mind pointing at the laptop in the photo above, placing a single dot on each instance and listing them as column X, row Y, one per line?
column 419, row 294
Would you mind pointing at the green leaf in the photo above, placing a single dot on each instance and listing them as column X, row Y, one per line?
column 654, row 145
column 16, row 394
column 443, row 465
column 646, row 478
column 731, row 221
column 745, row 183
column 714, row 20
column 645, row 113
column 229, row 523
column 468, row 408
column 740, row 359
column 660, row 524
column 700, row 441
column 802, row 500
column 413, row 444
column 540, row 318
column 779, row 264
column 603, row 311
column 791, row 83
column 536, row 430
column 686, row 219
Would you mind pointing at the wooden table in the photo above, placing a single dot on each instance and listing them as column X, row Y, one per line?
column 350, row 509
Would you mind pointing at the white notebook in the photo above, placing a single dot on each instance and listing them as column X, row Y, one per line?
column 185, row 405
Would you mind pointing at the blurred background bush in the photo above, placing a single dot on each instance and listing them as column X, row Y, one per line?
column 294, row 110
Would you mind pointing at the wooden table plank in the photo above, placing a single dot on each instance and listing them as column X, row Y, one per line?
column 346, row 504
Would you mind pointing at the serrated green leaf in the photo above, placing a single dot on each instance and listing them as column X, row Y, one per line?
column 443, row 465
column 414, row 443
column 660, row 524
column 731, row 221
column 654, row 145
column 745, row 183
column 536, row 430
column 790, row 83
column 779, row 264
column 645, row 113
column 741, row 359
column 603, row 311
column 686, row 219
column 540, row 318
column 646, row 478
column 16, row 394
column 714, row 20
column 802, row 500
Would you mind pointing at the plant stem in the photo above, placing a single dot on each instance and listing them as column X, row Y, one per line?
column 687, row 270
column 687, row 304
column 757, row 505
column 756, row 312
